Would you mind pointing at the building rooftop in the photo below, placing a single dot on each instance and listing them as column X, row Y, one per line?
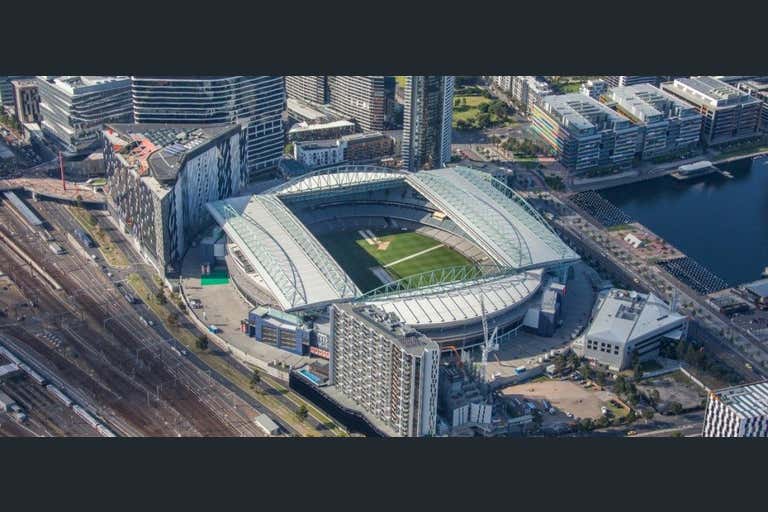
column 160, row 150
column 73, row 85
column 624, row 316
column 707, row 90
column 304, row 127
column 647, row 103
column 576, row 110
column 747, row 401
column 390, row 325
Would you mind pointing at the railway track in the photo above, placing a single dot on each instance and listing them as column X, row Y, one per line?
column 107, row 355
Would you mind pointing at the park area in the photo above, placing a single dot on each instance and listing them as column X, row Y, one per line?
column 569, row 397
column 368, row 257
column 477, row 111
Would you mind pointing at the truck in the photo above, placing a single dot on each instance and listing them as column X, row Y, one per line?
column 213, row 329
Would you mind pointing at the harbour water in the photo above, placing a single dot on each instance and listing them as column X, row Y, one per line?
column 720, row 221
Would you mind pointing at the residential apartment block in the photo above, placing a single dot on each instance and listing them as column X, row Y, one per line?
column 389, row 370
column 161, row 176
column 427, row 122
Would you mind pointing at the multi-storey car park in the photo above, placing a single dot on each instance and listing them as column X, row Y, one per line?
column 667, row 124
column 324, row 238
column 255, row 102
column 729, row 114
column 584, row 132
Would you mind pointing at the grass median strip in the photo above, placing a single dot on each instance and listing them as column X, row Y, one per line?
column 111, row 253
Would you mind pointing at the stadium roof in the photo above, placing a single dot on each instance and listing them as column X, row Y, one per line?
column 460, row 301
column 300, row 272
column 297, row 268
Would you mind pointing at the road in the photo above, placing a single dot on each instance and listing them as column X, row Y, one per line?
column 657, row 282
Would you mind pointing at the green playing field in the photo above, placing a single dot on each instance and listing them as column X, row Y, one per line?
column 400, row 253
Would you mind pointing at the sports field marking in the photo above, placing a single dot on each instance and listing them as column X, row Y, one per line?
column 383, row 246
column 368, row 239
column 372, row 235
column 414, row 255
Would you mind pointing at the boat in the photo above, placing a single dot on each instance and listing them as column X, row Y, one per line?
column 694, row 170
column 765, row 272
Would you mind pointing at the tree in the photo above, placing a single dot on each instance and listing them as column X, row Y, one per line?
column 648, row 414
column 173, row 319
column 160, row 296
column 302, row 413
column 675, row 407
column 202, row 342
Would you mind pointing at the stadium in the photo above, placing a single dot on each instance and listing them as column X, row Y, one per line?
column 440, row 248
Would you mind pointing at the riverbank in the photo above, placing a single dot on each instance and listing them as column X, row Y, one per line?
column 639, row 175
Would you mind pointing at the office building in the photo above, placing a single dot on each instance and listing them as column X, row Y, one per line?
column 360, row 99
column 279, row 329
column 758, row 88
column 389, row 370
column 161, row 176
column 624, row 81
column 312, row 89
column 667, row 124
column 74, row 108
column 628, row 327
column 593, row 88
column 358, row 147
column 428, row 115
column 729, row 114
column 739, row 411
column 255, row 102
column 26, row 100
column 585, row 133
column 7, row 97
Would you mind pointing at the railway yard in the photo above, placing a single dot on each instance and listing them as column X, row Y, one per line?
column 74, row 319
column 66, row 320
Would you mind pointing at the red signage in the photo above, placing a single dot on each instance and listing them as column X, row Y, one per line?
column 320, row 352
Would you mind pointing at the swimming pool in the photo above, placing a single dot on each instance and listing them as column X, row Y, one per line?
column 311, row 376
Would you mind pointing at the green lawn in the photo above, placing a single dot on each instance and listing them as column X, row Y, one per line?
column 357, row 256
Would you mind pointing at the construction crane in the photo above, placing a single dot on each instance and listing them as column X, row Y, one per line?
column 489, row 342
